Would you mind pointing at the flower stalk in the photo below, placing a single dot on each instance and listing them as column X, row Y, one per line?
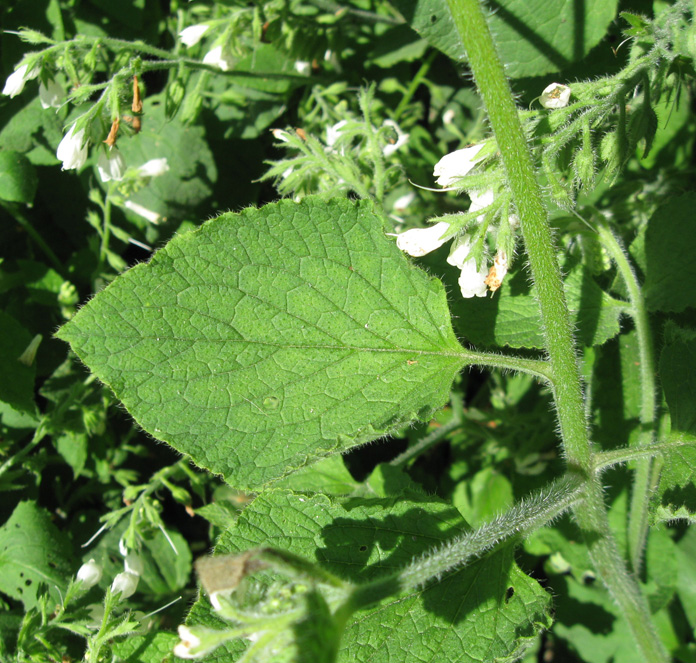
column 591, row 514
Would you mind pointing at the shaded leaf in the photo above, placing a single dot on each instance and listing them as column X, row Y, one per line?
column 670, row 244
column 32, row 551
column 532, row 37
column 18, row 178
column 487, row 611
column 19, row 391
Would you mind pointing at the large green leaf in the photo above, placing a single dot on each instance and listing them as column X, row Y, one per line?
column 271, row 338
column 533, row 37
column 487, row 611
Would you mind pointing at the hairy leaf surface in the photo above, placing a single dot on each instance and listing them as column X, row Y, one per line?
column 271, row 338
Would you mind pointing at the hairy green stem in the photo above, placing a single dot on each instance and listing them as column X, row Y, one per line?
column 519, row 521
column 644, row 476
column 591, row 514
column 436, row 436
column 536, row 367
column 606, row 459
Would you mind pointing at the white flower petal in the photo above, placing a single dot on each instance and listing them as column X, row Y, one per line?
column 134, row 564
column 455, row 165
column 419, row 241
column 193, row 34
column 555, row 95
column 147, row 214
column 402, row 202
column 72, row 150
column 459, row 253
column 480, row 201
column 303, row 67
column 471, row 280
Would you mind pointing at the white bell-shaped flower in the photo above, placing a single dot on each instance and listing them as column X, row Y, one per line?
column 16, row 80
column 111, row 165
column 419, row 241
column 193, row 34
column 134, row 563
column 89, row 574
column 456, row 164
column 555, row 95
column 72, row 150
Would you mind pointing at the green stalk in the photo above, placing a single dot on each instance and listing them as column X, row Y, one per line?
column 645, row 475
column 517, row 522
column 413, row 86
column 591, row 514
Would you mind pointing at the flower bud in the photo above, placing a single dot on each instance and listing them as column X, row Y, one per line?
column 16, row 80
column 51, row 95
column 555, row 95
column 89, row 574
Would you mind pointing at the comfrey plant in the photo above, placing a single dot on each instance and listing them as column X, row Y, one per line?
column 270, row 346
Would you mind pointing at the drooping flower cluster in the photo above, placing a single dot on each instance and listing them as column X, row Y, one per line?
column 474, row 280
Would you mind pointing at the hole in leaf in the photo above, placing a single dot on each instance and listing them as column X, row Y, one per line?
column 433, row 19
column 509, row 594
column 363, row 548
